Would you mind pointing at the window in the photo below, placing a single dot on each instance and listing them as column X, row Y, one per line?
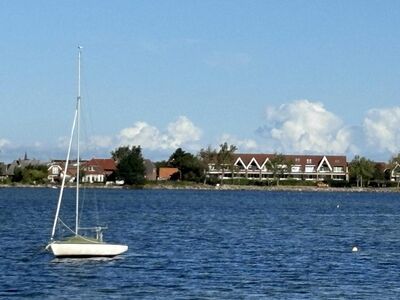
column 297, row 160
column 337, row 169
column 309, row 160
column 309, row 169
column 295, row 169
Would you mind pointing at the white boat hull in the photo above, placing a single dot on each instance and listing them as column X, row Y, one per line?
column 86, row 250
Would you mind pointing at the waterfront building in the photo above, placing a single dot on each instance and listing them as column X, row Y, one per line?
column 294, row 167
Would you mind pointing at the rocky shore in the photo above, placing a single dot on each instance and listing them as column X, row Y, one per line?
column 225, row 187
column 228, row 187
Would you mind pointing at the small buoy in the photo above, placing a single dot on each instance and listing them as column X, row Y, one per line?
column 354, row 249
column 337, row 206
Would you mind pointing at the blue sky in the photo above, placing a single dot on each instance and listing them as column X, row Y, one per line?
column 284, row 76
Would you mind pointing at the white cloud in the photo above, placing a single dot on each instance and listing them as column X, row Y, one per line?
column 180, row 133
column 100, row 141
column 304, row 126
column 142, row 134
column 382, row 129
column 4, row 143
column 243, row 145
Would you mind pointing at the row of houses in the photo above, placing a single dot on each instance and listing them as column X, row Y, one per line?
column 245, row 165
column 95, row 170
column 299, row 167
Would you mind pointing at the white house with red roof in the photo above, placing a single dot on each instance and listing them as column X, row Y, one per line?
column 299, row 167
column 56, row 170
column 97, row 170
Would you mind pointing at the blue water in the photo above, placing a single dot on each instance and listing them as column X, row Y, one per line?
column 209, row 245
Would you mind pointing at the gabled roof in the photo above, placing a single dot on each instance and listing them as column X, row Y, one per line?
column 3, row 169
column 107, row 164
column 149, row 165
column 321, row 163
column 246, row 158
column 302, row 160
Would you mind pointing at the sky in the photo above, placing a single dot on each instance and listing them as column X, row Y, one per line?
column 293, row 77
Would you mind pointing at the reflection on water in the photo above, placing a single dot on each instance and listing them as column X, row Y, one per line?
column 84, row 260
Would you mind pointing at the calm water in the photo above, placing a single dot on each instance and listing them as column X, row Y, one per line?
column 209, row 245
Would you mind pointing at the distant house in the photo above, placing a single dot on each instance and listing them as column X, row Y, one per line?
column 3, row 171
column 98, row 170
column 56, row 171
column 395, row 173
column 21, row 164
column 300, row 167
column 166, row 173
column 150, row 170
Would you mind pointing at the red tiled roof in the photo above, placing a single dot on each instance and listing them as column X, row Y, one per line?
column 107, row 164
column 166, row 172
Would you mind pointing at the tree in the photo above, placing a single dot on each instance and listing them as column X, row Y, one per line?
column 207, row 156
column 279, row 166
column 31, row 174
column 361, row 169
column 225, row 158
column 189, row 166
column 130, row 167
column 120, row 153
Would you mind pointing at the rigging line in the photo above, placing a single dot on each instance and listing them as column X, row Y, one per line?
column 65, row 225
column 64, row 177
column 81, row 236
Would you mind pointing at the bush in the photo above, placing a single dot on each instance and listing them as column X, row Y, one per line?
column 338, row 183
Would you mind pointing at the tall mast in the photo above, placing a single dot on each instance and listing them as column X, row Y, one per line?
column 78, row 109
column 76, row 120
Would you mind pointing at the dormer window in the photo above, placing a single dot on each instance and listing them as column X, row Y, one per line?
column 309, row 161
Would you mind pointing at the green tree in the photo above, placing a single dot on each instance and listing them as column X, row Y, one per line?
column 130, row 167
column 189, row 166
column 120, row 153
column 279, row 166
column 31, row 174
column 361, row 170
column 379, row 174
column 207, row 157
column 18, row 175
column 225, row 158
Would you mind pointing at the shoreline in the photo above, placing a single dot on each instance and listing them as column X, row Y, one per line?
column 225, row 187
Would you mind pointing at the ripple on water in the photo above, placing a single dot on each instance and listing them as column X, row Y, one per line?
column 210, row 245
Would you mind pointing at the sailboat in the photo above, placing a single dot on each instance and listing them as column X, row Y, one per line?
column 78, row 245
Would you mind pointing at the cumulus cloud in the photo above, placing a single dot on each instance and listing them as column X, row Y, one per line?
column 4, row 143
column 243, row 145
column 180, row 133
column 142, row 134
column 382, row 131
column 100, row 141
column 306, row 127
